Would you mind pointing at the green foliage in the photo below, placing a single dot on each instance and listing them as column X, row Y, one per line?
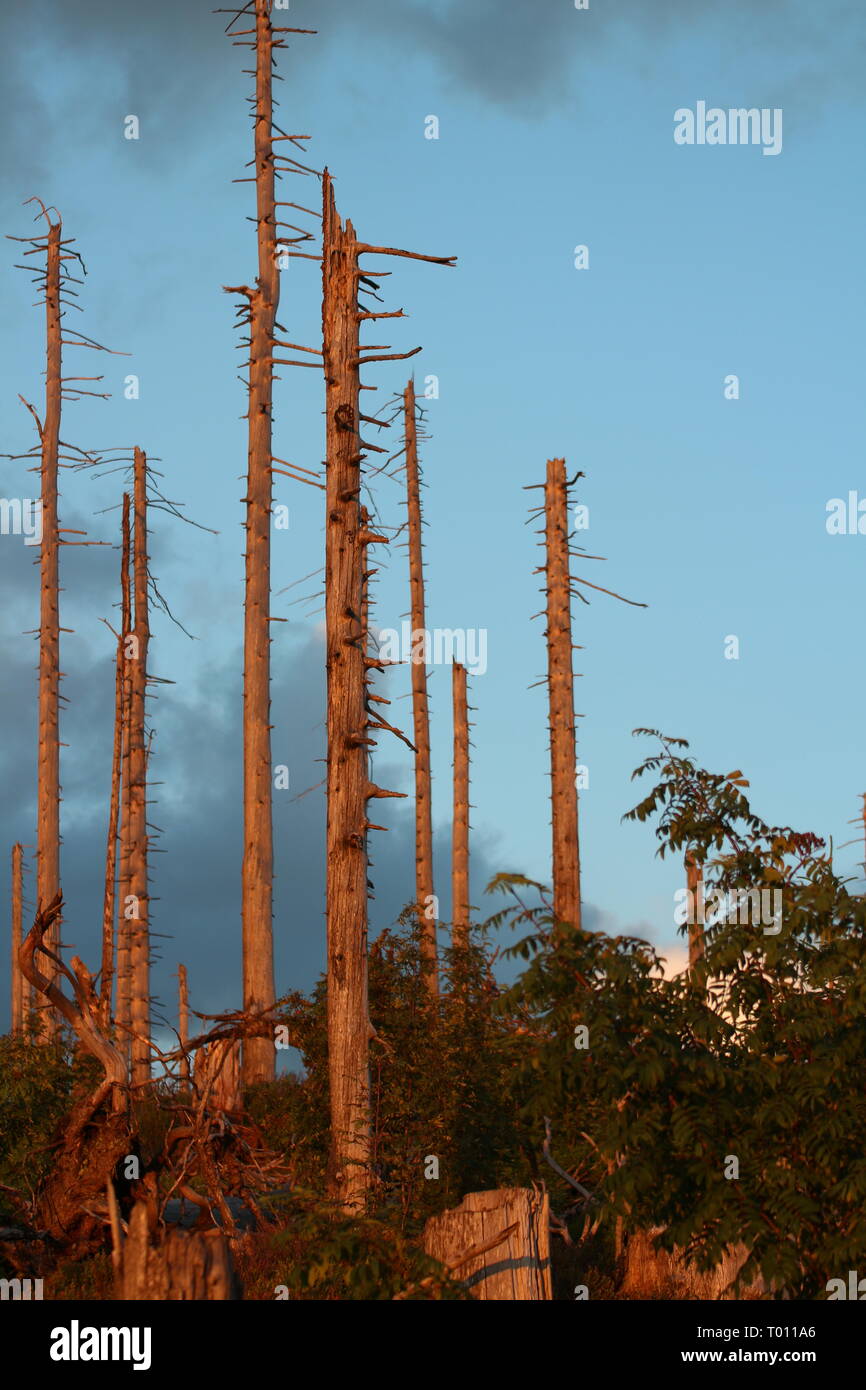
column 759, row 1053
column 38, row 1086
column 317, row 1254
column 440, row 1075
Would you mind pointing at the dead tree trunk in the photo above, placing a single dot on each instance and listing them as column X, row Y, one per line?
column 123, row 1007
column 48, row 767
column 350, row 721
column 460, row 818
column 560, row 681
column 187, row 1265
column 497, row 1243
column 424, row 895
column 345, row 550
column 183, row 1020
column 137, row 905
column 695, row 885
column 20, row 1010
column 258, row 866
column 109, row 896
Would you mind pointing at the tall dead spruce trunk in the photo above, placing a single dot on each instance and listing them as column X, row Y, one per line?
column 460, row 818
column 260, row 313
column 137, row 905
column 123, row 1008
column 350, row 721
column 558, row 588
column 560, row 685
column 48, row 765
column 258, row 861
column 109, row 954
column 53, row 284
column 424, row 896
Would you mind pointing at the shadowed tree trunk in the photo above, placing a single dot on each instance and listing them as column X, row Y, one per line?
column 695, row 885
column 183, row 1019
column 560, row 683
column 137, row 910
column 109, row 895
column 424, row 895
column 460, row 819
column 19, row 993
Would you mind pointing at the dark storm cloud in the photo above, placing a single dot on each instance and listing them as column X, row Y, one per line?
column 196, row 762
column 163, row 60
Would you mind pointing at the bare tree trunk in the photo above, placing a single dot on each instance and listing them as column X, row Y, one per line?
column 18, row 982
column 48, row 768
column 109, row 897
column 460, row 819
column 424, row 895
column 348, row 740
column 123, row 1005
column 137, row 908
column 257, row 876
column 695, row 885
column 560, row 679
column 183, row 1018
column 349, row 721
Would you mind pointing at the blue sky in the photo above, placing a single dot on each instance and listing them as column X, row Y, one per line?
column 555, row 129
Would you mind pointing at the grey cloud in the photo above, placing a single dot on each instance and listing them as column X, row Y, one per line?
column 196, row 882
column 164, row 60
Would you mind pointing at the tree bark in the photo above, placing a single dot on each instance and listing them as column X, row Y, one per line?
column 183, row 1018
column 259, row 1058
column 560, row 680
column 424, row 895
column 123, row 1006
column 110, row 892
column 497, row 1243
column 19, row 990
column 460, row 818
column 346, row 887
column 137, row 909
column 694, row 883
column 183, row 1265
column 48, row 764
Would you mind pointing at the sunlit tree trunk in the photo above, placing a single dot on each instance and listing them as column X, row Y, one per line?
column 424, row 894
column 560, row 684
column 460, row 817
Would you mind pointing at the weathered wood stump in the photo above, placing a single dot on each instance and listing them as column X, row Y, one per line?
column 656, row 1273
column 174, row 1264
column 497, row 1243
column 218, row 1067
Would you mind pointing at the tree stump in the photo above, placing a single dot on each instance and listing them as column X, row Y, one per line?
column 174, row 1264
column 657, row 1273
column 218, row 1066
column 497, row 1243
